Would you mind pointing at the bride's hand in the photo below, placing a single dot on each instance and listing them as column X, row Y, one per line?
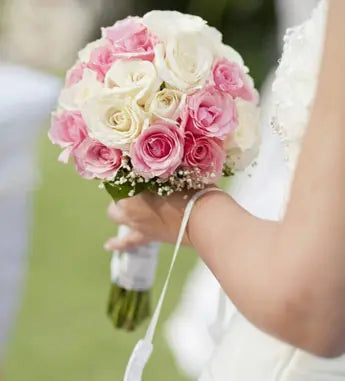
column 151, row 218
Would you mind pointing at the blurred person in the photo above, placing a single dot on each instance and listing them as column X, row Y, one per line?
column 290, row 294
column 21, row 116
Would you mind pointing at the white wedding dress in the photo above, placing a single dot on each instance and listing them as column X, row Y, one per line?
column 245, row 352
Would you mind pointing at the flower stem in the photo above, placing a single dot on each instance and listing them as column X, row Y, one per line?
column 128, row 308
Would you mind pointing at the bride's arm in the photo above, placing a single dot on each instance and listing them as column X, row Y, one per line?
column 288, row 278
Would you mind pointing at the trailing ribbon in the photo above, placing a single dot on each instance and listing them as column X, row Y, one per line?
column 144, row 348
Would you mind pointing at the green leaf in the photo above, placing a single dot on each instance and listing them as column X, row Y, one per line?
column 118, row 192
column 227, row 171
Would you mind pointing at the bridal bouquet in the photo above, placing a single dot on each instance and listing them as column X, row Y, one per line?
column 157, row 104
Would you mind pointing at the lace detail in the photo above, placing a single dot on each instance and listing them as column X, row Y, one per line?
column 296, row 80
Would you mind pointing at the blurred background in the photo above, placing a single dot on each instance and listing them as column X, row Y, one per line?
column 54, row 274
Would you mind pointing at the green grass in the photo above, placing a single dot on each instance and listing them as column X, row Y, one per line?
column 63, row 332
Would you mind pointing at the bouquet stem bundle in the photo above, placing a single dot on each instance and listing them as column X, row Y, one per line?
column 128, row 308
column 132, row 277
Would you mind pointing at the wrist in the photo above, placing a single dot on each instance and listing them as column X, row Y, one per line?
column 202, row 211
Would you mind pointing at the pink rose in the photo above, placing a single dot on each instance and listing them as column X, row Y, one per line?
column 130, row 39
column 210, row 112
column 68, row 130
column 204, row 153
column 75, row 74
column 230, row 78
column 101, row 59
column 94, row 160
column 158, row 151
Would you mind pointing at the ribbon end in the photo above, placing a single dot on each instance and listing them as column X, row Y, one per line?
column 138, row 360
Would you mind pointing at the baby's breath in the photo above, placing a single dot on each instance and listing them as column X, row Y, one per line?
column 181, row 180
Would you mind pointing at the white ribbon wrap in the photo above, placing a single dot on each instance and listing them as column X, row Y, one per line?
column 144, row 347
column 134, row 269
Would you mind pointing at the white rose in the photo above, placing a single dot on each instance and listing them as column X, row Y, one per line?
column 74, row 97
column 184, row 62
column 136, row 78
column 167, row 104
column 186, row 50
column 84, row 54
column 168, row 24
column 114, row 119
column 213, row 35
column 165, row 24
column 242, row 145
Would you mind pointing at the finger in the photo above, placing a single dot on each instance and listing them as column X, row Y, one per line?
column 116, row 214
column 129, row 241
